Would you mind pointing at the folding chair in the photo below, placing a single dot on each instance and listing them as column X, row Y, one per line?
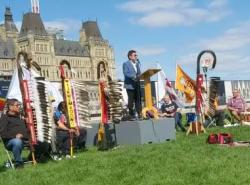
column 211, row 121
column 8, row 154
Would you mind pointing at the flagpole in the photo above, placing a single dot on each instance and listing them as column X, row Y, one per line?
column 158, row 95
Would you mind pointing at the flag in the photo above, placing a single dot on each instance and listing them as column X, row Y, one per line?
column 14, row 90
column 172, row 94
column 161, row 83
column 2, row 103
column 164, row 87
column 185, row 84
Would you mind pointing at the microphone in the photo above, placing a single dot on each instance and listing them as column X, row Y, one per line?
column 138, row 61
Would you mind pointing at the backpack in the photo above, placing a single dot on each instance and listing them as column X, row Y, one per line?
column 212, row 139
column 225, row 138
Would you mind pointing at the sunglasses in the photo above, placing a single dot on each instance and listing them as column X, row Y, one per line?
column 16, row 105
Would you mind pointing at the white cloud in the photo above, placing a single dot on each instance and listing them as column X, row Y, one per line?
column 161, row 19
column 187, row 60
column 150, row 51
column 18, row 25
column 218, row 3
column 70, row 27
column 144, row 6
column 230, row 65
column 232, row 39
column 162, row 13
column 232, row 51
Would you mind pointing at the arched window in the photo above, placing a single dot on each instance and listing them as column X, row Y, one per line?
column 101, row 70
column 5, row 52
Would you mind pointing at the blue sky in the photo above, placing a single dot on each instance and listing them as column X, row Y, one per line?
column 169, row 32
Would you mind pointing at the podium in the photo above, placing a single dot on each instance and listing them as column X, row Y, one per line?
column 148, row 95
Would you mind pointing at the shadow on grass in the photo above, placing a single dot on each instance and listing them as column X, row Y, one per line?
column 3, row 169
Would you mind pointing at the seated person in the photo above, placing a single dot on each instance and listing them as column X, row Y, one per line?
column 169, row 109
column 215, row 113
column 63, row 132
column 236, row 105
column 13, row 131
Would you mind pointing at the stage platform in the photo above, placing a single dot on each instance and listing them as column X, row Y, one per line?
column 137, row 132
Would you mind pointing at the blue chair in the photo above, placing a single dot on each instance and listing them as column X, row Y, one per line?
column 190, row 117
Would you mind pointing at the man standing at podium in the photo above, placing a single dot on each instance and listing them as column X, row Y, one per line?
column 131, row 71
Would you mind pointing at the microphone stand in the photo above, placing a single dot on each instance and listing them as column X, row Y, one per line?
column 139, row 88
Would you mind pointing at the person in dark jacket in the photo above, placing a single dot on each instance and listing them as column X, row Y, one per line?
column 13, row 130
column 131, row 71
column 169, row 109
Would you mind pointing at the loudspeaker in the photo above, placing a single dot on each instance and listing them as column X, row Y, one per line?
column 135, row 132
column 164, row 129
column 145, row 131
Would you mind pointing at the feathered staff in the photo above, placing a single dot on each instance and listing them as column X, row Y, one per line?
column 25, row 61
column 68, row 95
column 102, row 140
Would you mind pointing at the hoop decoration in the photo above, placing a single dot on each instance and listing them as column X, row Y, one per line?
column 207, row 59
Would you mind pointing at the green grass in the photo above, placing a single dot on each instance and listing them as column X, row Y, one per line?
column 187, row 160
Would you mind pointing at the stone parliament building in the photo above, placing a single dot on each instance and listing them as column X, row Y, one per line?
column 48, row 50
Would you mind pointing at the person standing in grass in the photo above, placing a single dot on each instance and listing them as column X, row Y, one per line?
column 169, row 109
column 13, row 131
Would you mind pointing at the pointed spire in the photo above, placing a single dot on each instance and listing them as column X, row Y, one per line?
column 8, row 14
column 8, row 21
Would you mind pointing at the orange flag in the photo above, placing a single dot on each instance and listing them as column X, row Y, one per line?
column 185, row 84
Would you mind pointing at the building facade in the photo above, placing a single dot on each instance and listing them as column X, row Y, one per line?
column 48, row 50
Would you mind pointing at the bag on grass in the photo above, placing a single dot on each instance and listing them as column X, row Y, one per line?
column 212, row 139
column 225, row 138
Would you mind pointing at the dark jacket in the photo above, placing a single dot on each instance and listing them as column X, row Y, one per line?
column 11, row 125
column 130, row 75
column 169, row 108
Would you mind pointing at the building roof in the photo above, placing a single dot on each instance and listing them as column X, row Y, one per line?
column 70, row 48
column 92, row 30
column 9, row 23
column 32, row 23
column 7, row 49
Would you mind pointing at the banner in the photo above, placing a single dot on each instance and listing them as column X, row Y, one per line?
column 4, row 86
column 185, row 84
column 164, row 87
column 161, row 83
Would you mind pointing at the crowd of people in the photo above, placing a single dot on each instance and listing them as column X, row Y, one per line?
column 131, row 70
column 15, row 134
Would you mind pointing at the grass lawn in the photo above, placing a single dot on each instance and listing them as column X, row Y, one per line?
column 187, row 160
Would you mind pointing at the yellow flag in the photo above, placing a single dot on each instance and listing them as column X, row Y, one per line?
column 185, row 84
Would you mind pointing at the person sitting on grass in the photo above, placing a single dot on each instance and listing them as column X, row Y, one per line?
column 169, row 109
column 63, row 132
column 13, row 131
column 214, row 113
column 236, row 105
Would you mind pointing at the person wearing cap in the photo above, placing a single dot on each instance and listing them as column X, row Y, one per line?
column 236, row 105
